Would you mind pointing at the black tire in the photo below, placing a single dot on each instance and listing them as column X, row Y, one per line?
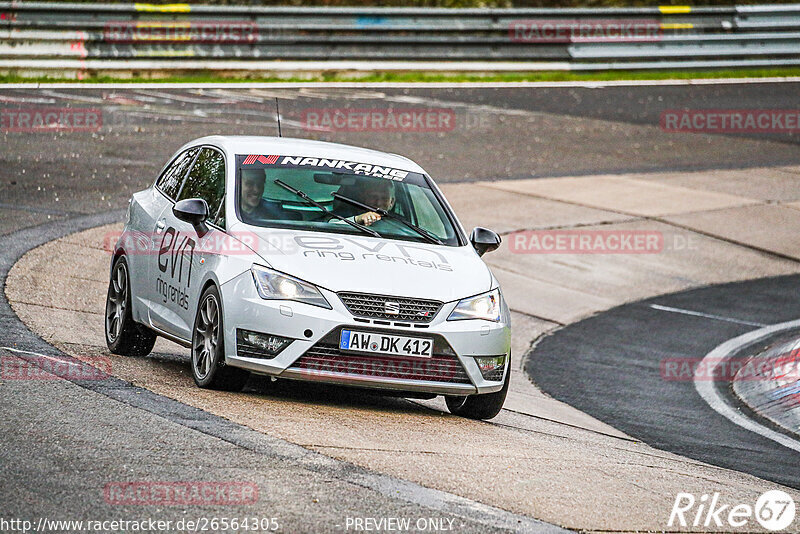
column 483, row 406
column 208, row 347
column 124, row 335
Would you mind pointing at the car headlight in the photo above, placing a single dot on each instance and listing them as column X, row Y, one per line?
column 485, row 306
column 272, row 285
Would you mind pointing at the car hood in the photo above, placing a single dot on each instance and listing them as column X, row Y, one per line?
column 371, row 265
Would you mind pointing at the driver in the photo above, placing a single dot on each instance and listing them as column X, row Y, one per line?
column 378, row 193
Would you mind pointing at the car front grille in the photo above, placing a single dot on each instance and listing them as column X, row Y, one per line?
column 325, row 357
column 384, row 307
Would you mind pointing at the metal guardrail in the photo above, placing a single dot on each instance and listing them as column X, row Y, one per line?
column 117, row 37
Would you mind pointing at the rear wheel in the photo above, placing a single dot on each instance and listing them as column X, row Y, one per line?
column 124, row 335
column 483, row 406
column 208, row 348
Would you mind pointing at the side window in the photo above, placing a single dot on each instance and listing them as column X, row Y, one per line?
column 206, row 180
column 428, row 212
column 170, row 181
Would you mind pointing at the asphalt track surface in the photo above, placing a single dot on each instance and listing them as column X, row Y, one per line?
column 55, row 183
column 610, row 366
column 496, row 134
column 65, row 441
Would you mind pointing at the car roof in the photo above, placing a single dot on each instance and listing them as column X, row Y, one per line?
column 290, row 146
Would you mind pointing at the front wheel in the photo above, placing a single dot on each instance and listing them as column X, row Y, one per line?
column 124, row 335
column 208, row 348
column 483, row 406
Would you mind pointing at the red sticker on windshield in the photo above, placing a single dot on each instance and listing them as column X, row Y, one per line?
column 266, row 160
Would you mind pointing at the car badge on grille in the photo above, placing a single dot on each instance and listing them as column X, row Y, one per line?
column 391, row 308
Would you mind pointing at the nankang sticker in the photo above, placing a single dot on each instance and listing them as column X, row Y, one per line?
column 354, row 167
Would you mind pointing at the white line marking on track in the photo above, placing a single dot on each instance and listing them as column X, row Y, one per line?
column 406, row 85
column 51, row 358
column 20, row 351
column 705, row 315
column 709, row 393
column 80, row 98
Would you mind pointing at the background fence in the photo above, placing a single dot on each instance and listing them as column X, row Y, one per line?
column 147, row 39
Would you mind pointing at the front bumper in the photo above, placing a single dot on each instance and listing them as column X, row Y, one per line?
column 312, row 328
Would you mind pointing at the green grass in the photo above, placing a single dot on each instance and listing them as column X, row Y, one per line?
column 543, row 76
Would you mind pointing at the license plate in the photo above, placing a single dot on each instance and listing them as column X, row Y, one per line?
column 386, row 344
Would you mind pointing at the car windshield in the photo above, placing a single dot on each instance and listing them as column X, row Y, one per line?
column 319, row 194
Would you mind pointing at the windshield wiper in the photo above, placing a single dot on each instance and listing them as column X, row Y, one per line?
column 313, row 202
column 384, row 213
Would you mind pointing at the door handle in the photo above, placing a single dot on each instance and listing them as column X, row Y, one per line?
column 160, row 225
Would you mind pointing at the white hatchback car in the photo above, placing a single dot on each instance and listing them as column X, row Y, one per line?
column 313, row 261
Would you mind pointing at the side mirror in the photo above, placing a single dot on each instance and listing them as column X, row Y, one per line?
column 484, row 240
column 193, row 211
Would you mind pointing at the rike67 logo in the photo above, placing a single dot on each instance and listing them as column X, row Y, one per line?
column 774, row 510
